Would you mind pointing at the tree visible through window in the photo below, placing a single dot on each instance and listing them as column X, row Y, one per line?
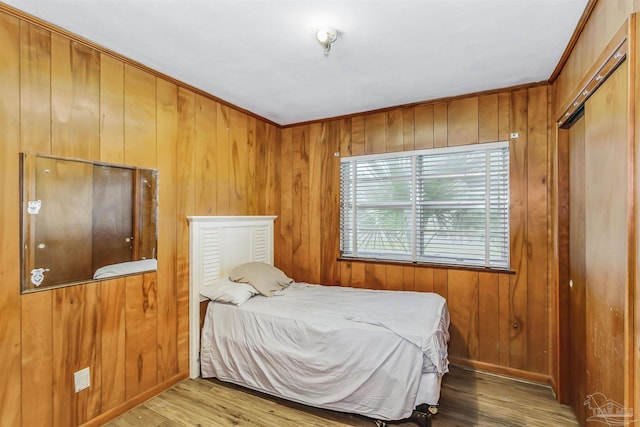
column 448, row 206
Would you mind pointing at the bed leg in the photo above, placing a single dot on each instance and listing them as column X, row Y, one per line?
column 422, row 419
column 423, row 413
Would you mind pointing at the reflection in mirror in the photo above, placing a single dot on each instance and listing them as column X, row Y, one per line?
column 83, row 221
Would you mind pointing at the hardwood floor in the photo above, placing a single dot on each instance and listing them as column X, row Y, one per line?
column 468, row 399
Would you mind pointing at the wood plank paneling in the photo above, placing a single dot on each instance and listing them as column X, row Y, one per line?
column 255, row 198
column 375, row 133
column 37, row 359
column 518, row 229
column 375, row 276
column 358, row 275
column 239, row 161
column 10, row 357
column 346, row 134
column 488, row 118
column 504, row 318
column 409, row 279
column 111, row 110
column 605, row 20
column 141, row 358
column 395, row 278
column 423, row 277
column 440, row 125
column 462, row 298
column 632, row 383
column 504, row 115
column 345, row 274
column 317, row 145
column 300, row 203
column 269, row 167
column 537, row 229
column 408, row 129
column 140, row 118
column 441, row 282
column 462, row 122
column 424, row 126
column 223, row 159
column 205, row 157
column 60, row 96
column 35, row 89
column 75, row 99
column 394, row 131
column 76, row 345
column 185, row 205
column 263, row 175
column 112, row 314
column 167, row 114
column 357, row 136
column 488, row 318
column 283, row 239
column 329, row 225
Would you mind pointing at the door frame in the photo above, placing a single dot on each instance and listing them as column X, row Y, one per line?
column 622, row 47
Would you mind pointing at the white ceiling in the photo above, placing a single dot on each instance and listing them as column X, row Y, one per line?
column 262, row 55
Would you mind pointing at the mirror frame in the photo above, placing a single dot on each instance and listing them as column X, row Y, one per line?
column 90, row 200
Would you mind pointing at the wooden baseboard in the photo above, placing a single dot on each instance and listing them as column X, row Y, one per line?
column 554, row 388
column 131, row 403
column 518, row 374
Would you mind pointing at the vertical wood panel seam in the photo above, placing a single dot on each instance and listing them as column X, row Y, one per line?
column 17, row 335
column 50, row 94
column 630, row 333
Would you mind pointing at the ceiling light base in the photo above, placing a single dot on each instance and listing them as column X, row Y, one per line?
column 326, row 36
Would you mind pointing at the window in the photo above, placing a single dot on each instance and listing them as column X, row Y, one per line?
column 444, row 205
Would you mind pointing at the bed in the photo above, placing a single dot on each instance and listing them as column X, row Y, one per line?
column 381, row 354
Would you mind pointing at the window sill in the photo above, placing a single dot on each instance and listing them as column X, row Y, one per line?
column 428, row 265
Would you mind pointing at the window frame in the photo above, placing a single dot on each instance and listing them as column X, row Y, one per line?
column 414, row 256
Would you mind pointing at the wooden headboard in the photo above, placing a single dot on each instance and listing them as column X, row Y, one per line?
column 217, row 244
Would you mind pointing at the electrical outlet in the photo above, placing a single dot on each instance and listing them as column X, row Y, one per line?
column 82, row 379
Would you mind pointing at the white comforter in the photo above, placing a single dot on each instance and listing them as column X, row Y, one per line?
column 345, row 349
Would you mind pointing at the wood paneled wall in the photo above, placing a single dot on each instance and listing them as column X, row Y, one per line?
column 605, row 20
column 500, row 321
column 63, row 97
column 60, row 96
column 609, row 21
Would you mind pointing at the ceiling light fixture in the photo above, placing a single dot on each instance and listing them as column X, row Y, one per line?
column 325, row 37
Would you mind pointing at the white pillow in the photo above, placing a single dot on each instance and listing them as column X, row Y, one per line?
column 225, row 290
column 265, row 278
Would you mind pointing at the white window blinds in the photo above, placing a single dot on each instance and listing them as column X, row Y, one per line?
column 448, row 206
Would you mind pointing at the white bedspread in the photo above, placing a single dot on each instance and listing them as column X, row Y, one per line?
column 345, row 349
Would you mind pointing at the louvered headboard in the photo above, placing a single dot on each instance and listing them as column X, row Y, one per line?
column 217, row 244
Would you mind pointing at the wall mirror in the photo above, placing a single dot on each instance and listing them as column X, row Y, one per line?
column 85, row 221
